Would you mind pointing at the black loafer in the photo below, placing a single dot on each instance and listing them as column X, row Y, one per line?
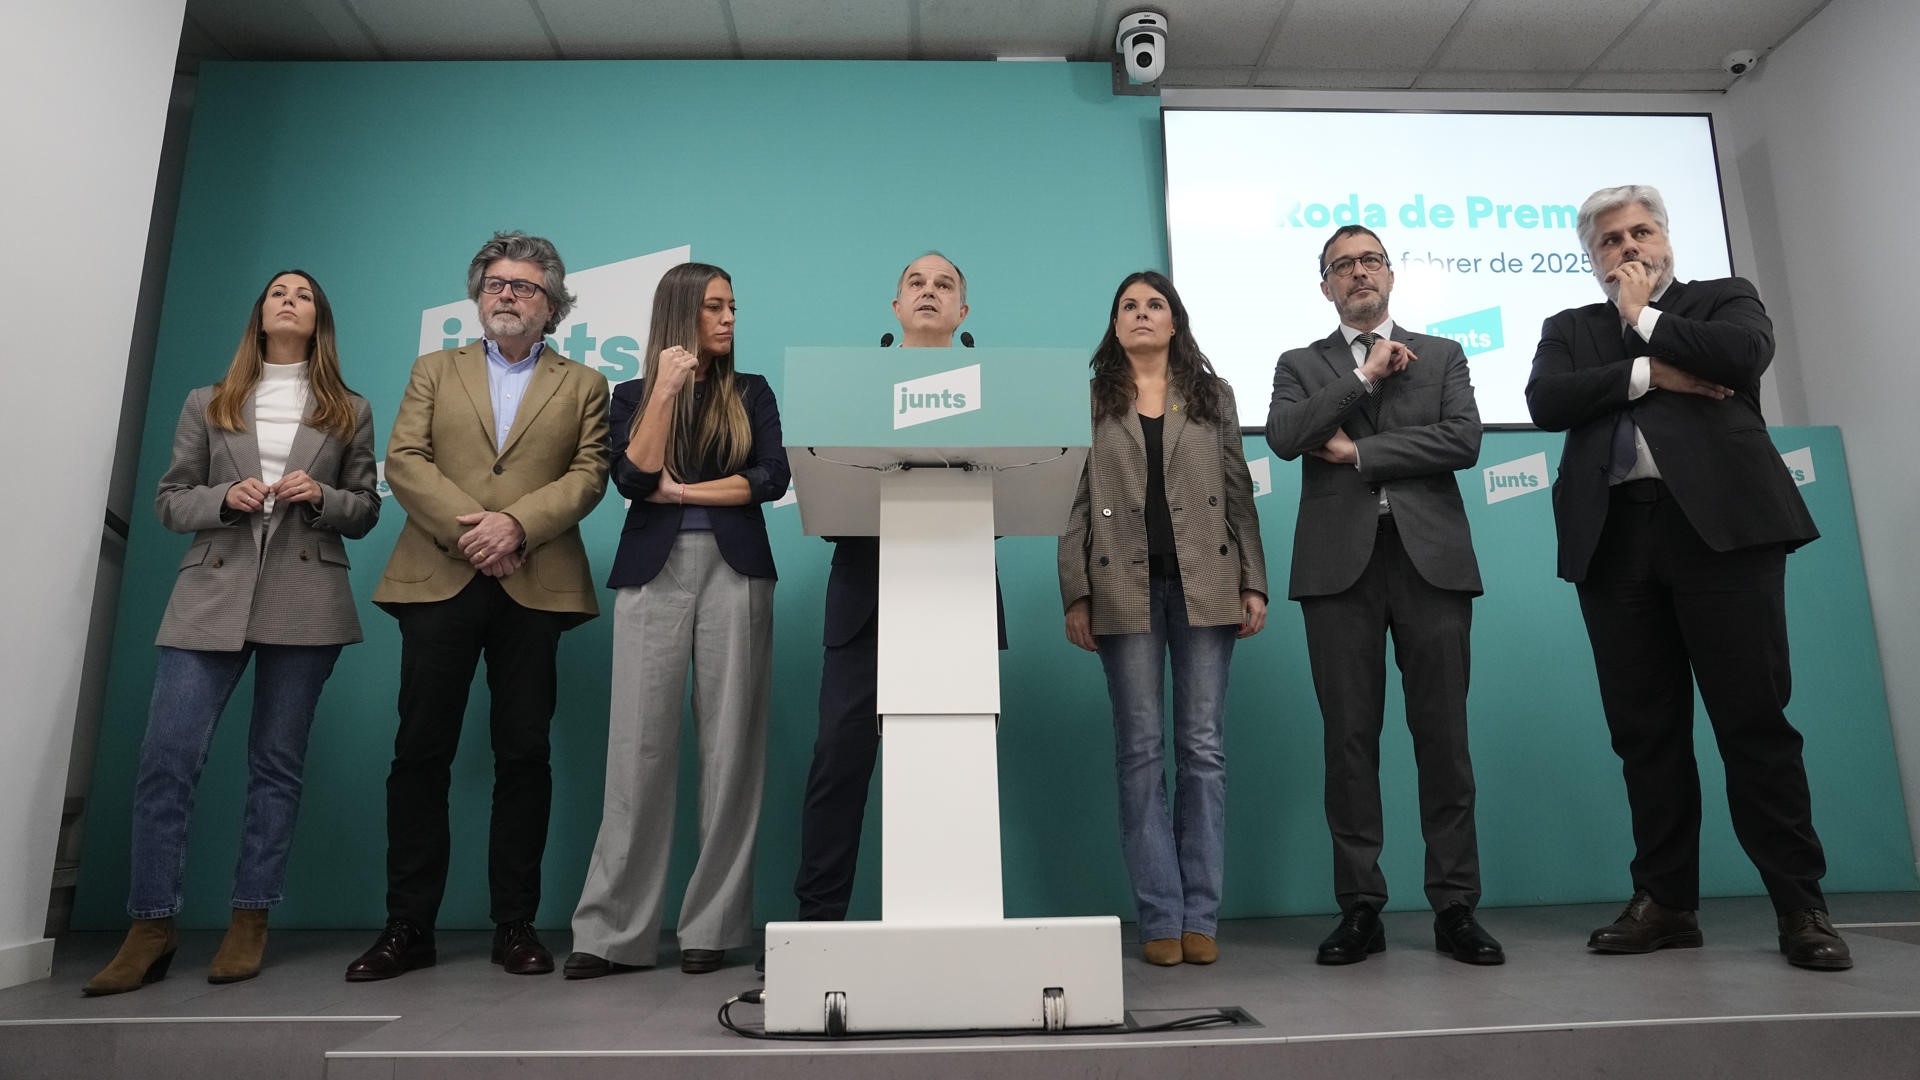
column 1459, row 935
column 701, row 961
column 401, row 948
column 1809, row 941
column 1358, row 936
column 517, row 948
column 585, row 965
column 1646, row 925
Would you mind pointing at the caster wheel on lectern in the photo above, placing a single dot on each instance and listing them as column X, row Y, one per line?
column 836, row 1012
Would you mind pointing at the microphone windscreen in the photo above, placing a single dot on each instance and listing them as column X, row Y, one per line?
column 886, row 341
column 966, row 339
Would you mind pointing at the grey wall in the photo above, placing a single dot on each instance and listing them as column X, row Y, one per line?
column 1823, row 136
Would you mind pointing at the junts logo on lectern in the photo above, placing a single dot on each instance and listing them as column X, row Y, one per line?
column 936, row 397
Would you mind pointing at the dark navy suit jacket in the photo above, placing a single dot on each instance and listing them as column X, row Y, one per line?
column 740, row 531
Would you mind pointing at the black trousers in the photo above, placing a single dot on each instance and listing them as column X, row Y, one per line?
column 1432, row 630
column 843, row 758
column 1664, row 611
column 441, row 644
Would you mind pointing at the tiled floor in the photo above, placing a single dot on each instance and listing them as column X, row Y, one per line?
column 1552, row 1007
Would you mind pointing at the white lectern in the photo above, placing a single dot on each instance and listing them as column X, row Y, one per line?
column 937, row 451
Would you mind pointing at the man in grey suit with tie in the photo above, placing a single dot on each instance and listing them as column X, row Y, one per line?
column 1384, row 418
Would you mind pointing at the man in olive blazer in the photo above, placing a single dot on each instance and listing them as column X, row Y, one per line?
column 1384, row 418
column 498, row 450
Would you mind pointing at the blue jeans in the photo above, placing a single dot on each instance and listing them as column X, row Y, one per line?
column 190, row 689
column 1176, row 863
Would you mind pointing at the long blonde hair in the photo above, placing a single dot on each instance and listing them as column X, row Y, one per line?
column 718, row 430
column 332, row 401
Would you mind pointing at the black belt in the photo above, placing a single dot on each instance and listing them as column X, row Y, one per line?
column 1651, row 489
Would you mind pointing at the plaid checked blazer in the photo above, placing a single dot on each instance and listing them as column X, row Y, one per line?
column 293, row 590
column 1216, row 536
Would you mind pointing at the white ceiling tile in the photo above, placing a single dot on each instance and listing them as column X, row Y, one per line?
column 452, row 29
column 1378, row 35
column 1536, row 35
column 1654, row 80
column 1206, row 76
column 689, row 30
column 1307, row 78
column 824, row 29
column 983, row 29
column 1212, row 33
column 1497, row 80
column 1678, row 35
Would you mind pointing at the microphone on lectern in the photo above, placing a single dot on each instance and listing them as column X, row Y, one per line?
column 886, row 341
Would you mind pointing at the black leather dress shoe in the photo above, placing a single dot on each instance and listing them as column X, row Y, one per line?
column 517, row 948
column 1810, row 941
column 701, row 961
column 1358, row 935
column 585, row 965
column 1459, row 935
column 401, row 947
column 1646, row 925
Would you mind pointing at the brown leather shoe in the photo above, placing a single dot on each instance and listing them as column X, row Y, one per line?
column 241, row 950
column 143, row 958
column 401, row 947
column 1161, row 952
column 1810, row 941
column 1646, row 925
column 1198, row 948
column 517, row 948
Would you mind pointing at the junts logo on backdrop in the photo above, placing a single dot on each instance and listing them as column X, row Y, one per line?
column 1510, row 479
column 607, row 328
column 1475, row 333
column 936, row 396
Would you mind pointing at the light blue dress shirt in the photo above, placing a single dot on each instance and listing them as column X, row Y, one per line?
column 507, row 387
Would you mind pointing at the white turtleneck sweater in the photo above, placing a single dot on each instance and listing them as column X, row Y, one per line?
column 279, row 405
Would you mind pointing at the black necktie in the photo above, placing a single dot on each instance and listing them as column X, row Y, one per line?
column 1372, row 405
column 1622, row 452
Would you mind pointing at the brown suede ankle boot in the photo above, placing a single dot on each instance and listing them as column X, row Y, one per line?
column 143, row 958
column 240, row 951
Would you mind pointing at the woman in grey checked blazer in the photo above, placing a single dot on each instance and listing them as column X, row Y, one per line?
column 1161, row 556
column 272, row 466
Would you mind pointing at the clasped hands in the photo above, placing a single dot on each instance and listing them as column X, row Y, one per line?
column 251, row 494
column 493, row 542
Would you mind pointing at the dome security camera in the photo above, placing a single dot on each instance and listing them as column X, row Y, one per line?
column 1142, row 45
column 1739, row 62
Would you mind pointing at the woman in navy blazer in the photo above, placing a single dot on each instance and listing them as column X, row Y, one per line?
column 696, row 450
column 272, row 467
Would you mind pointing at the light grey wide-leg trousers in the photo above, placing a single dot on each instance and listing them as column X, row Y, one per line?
column 697, row 612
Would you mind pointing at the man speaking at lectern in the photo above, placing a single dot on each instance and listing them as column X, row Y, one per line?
column 1675, row 516
column 930, row 302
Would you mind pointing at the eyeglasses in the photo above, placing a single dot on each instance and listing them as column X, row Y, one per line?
column 522, row 288
column 1373, row 261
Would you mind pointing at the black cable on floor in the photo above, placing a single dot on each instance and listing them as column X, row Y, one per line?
column 1192, row 1022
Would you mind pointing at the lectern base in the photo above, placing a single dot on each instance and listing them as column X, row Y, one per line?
column 845, row 977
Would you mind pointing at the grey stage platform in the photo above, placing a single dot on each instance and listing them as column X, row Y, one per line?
column 1732, row 1009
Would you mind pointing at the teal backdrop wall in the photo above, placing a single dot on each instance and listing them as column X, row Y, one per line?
column 813, row 183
